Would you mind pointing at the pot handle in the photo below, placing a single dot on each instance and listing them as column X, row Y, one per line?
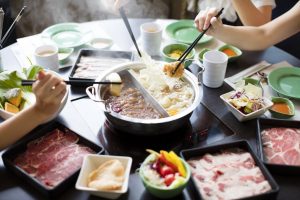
column 200, row 73
column 91, row 92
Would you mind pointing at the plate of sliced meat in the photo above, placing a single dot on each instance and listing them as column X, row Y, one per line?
column 50, row 159
column 229, row 171
column 279, row 142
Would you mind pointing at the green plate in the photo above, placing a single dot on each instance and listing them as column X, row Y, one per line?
column 184, row 31
column 286, row 81
column 66, row 35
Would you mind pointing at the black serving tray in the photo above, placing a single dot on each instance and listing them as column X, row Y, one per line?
column 105, row 54
column 10, row 154
column 242, row 144
column 264, row 123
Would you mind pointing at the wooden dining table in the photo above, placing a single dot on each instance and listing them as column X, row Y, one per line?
column 210, row 123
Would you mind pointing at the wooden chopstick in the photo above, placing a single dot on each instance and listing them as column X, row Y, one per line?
column 189, row 49
column 73, row 82
column 125, row 19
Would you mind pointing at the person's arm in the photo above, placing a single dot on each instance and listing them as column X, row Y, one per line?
column 49, row 91
column 258, row 38
column 251, row 15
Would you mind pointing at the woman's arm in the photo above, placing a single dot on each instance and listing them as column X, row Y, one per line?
column 49, row 91
column 251, row 15
column 257, row 38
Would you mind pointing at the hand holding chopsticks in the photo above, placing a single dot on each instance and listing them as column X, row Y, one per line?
column 189, row 49
column 74, row 82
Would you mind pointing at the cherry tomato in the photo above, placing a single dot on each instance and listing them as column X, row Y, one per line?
column 165, row 170
column 169, row 179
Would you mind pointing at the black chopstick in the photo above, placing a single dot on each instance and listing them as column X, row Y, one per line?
column 189, row 49
column 125, row 19
column 12, row 26
column 73, row 82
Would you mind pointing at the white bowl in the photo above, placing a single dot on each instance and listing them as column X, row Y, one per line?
column 5, row 115
column 92, row 162
column 100, row 43
column 241, row 116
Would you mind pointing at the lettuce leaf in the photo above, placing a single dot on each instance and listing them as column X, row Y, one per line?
column 13, row 79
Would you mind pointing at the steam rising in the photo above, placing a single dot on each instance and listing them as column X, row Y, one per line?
column 43, row 13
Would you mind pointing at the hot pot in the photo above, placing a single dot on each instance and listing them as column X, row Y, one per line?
column 143, row 126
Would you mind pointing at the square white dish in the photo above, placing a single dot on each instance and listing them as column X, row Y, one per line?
column 241, row 116
column 92, row 162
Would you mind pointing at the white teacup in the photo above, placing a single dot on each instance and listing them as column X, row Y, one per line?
column 151, row 34
column 47, row 56
column 214, row 68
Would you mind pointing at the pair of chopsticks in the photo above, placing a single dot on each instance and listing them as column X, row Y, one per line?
column 73, row 82
column 12, row 26
column 125, row 19
column 189, row 49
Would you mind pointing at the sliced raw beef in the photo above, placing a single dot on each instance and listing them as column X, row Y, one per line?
column 281, row 145
column 53, row 157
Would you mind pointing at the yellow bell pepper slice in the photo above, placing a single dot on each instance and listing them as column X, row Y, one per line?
column 179, row 164
column 169, row 161
column 152, row 152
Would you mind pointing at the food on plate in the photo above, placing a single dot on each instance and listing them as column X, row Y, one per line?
column 108, row 176
column 229, row 52
column 115, row 89
column 282, row 107
column 281, row 145
column 173, row 94
column 164, row 169
column 247, row 99
column 228, row 174
column 13, row 96
column 169, row 69
column 53, row 157
column 91, row 67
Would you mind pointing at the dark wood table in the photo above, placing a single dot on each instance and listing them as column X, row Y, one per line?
column 210, row 123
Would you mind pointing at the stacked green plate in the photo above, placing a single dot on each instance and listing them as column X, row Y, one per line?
column 184, row 31
column 286, row 81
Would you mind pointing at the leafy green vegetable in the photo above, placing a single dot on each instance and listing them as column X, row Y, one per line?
column 13, row 79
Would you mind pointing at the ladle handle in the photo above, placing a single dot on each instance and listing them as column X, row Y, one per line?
column 200, row 73
column 91, row 92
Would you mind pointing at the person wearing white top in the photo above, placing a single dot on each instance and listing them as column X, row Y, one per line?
column 250, row 12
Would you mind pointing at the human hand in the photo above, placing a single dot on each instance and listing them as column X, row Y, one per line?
column 119, row 3
column 49, row 91
column 207, row 17
column 204, row 17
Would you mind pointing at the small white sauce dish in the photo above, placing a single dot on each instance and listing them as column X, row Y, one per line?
column 100, row 43
column 92, row 162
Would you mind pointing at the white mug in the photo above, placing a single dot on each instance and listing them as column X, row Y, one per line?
column 213, row 68
column 47, row 56
column 151, row 34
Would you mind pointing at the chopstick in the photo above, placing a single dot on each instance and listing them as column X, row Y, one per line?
column 73, row 82
column 125, row 19
column 12, row 26
column 189, row 49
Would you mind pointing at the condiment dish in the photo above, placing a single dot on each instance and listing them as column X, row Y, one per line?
column 64, row 54
column 201, row 53
column 100, row 43
column 283, row 104
column 92, row 162
column 172, row 52
column 231, row 51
